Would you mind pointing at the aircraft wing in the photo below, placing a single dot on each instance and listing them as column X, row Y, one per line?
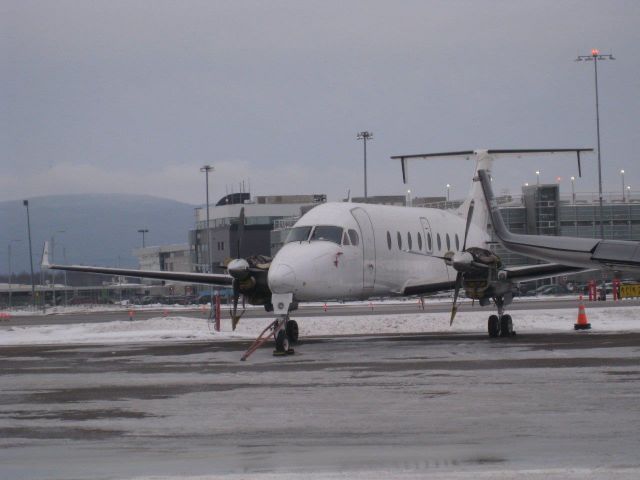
column 428, row 288
column 518, row 274
column 188, row 277
column 529, row 273
column 572, row 251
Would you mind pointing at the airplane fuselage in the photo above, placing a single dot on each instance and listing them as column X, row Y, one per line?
column 356, row 251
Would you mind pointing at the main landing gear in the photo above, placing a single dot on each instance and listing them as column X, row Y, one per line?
column 500, row 325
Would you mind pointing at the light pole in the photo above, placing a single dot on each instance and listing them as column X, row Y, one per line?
column 33, row 285
column 9, row 259
column 206, row 169
column 364, row 136
column 143, row 231
column 594, row 57
column 409, row 198
column 573, row 190
column 622, row 175
column 448, row 188
column 537, row 177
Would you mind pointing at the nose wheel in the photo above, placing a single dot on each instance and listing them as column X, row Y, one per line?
column 285, row 336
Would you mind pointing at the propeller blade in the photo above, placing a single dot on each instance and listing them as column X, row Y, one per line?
column 466, row 229
column 234, row 312
column 454, row 307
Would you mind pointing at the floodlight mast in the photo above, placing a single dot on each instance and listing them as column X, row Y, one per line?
column 594, row 57
column 364, row 136
column 206, row 169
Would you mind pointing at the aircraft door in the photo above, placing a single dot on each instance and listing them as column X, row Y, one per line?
column 428, row 236
column 368, row 247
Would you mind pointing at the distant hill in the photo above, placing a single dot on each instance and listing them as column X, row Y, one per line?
column 99, row 229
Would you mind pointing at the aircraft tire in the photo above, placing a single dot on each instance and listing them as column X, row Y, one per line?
column 282, row 342
column 506, row 326
column 292, row 331
column 494, row 326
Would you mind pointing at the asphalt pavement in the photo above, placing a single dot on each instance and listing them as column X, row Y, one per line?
column 373, row 406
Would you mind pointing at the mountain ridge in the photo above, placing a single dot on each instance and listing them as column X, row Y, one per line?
column 94, row 228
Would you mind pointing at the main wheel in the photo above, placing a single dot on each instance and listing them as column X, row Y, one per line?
column 292, row 331
column 282, row 342
column 494, row 326
column 506, row 326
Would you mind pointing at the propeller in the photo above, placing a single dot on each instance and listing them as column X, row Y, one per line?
column 452, row 259
column 249, row 276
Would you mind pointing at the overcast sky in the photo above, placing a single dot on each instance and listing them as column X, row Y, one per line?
column 135, row 96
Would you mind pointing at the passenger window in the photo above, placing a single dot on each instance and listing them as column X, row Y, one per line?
column 448, row 242
column 429, row 243
column 419, row 241
column 389, row 240
column 355, row 240
column 399, row 241
column 438, row 241
column 345, row 239
column 409, row 242
column 457, row 243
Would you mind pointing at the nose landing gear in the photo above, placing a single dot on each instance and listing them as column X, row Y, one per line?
column 284, row 330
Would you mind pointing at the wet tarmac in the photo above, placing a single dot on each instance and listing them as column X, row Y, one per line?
column 424, row 403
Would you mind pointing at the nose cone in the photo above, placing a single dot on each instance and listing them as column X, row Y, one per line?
column 282, row 278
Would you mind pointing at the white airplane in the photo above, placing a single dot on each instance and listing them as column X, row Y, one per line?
column 345, row 251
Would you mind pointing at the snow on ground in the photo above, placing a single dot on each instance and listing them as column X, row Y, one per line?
column 182, row 328
column 125, row 306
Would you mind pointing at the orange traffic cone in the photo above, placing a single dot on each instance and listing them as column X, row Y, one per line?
column 582, row 323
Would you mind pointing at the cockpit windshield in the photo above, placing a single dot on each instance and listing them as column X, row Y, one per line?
column 299, row 234
column 328, row 233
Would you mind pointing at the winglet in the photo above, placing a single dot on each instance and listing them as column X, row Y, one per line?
column 45, row 256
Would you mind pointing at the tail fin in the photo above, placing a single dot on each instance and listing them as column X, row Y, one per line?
column 45, row 256
column 480, row 211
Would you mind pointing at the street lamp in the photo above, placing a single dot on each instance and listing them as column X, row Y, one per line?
column 409, row 198
column 594, row 57
column 622, row 175
column 364, row 136
column 573, row 190
column 33, row 285
column 537, row 177
column 143, row 231
column 448, row 188
column 206, row 169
